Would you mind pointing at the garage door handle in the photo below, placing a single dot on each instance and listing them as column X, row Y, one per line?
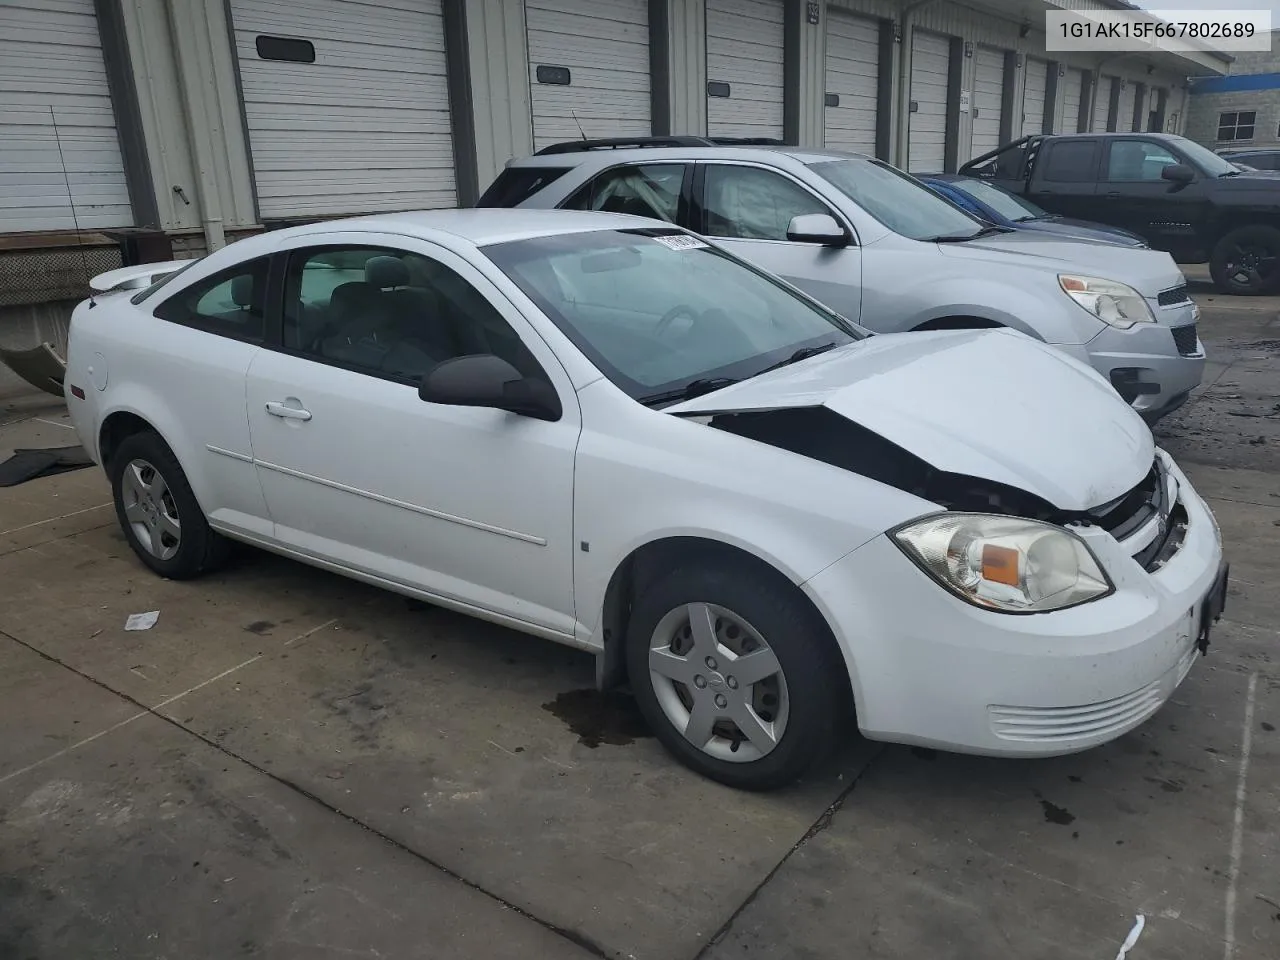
column 287, row 411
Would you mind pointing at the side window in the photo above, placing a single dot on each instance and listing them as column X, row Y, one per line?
column 753, row 204
column 1071, row 161
column 230, row 303
column 390, row 313
column 647, row 190
column 1138, row 160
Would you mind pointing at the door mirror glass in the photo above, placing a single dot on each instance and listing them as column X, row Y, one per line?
column 817, row 228
column 1178, row 173
column 484, row 380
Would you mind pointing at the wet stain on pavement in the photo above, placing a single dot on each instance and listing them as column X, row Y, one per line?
column 1056, row 814
column 597, row 718
column 259, row 627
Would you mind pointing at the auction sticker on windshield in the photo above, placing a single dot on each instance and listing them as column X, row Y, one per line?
column 678, row 241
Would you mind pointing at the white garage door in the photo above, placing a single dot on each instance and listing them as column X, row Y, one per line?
column 53, row 86
column 1124, row 118
column 853, row 82
column 601, row 48
column 927, row 126
column 744, row 68
column 1102, row 104
column 1072, row 93
column 988, row 99
column 362, row 128
column 1035, row 83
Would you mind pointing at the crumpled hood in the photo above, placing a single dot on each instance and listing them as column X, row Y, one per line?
column 993, row 404
column 1148, row 271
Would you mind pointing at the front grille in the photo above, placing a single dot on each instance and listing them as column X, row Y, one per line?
column 1065, row 724
column 1186, row 339
column 1155, row 499
column 1129, row 513
column 1169, row 297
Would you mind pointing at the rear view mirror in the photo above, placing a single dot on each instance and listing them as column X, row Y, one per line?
column 817, row 228
column 1177, row 173
column 483, row 380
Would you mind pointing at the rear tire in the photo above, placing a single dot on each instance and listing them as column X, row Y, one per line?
column 736, row 675
column 158, row 512
column 1246, row 262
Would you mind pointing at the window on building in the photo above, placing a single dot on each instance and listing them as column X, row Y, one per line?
column 1233, row 127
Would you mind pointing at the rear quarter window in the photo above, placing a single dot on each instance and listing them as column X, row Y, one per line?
column 515, row 185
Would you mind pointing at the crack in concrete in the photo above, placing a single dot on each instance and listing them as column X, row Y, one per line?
column 822, row 823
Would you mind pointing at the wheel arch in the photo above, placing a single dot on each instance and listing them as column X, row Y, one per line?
column 639, row 568
column 953, row 322
column 118, row 427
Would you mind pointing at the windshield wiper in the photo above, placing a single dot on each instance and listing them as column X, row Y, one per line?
column 804, row 353
column 1229, row 173
column 984, row 232
column 694, row 388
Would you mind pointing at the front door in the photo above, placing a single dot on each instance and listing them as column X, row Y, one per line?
column 747, row 209
column 471, row 505
column 1138, row 198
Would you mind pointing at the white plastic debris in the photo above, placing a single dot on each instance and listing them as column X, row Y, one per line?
column 142, row 621
column 1138, row 923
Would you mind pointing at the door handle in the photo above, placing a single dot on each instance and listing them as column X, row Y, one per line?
column 1113, row 194
column 287, row 411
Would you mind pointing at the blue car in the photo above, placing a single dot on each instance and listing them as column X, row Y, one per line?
column 1003, row 209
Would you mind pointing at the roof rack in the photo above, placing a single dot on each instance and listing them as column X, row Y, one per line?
column 748, row 142
column 623, row 143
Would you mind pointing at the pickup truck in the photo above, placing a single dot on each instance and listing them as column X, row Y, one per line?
column 1177, row 195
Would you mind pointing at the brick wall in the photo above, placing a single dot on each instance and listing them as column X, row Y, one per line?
column 1206, row 108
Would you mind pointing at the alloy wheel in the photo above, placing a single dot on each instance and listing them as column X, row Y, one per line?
column 150, row 509
column 1250, row 265
column 718, row 682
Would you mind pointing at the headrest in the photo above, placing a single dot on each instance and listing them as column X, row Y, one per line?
column 354, row 295
column 242, row 290
column 383, row 272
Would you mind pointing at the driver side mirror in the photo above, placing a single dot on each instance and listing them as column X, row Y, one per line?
column 483, row 380
column 1177, row 173
column 817, row 228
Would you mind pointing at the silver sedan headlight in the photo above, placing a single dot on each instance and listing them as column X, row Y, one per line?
column 1005, row 563
column 1111, row 301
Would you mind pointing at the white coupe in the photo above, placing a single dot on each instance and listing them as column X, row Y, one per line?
column 608, row 432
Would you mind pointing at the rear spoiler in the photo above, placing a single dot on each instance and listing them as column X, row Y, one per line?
column 136, row 277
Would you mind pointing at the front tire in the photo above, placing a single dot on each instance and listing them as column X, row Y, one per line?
column 1246, row 262
column 158, row 512
column 736, row 675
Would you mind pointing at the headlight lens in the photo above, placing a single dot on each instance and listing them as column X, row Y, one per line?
column 1112, row 302
column 1005, row 563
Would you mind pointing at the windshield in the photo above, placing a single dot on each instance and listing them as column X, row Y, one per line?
column 658, row 311
column 1204, row 158
column 902, row 204
column 1005, row 204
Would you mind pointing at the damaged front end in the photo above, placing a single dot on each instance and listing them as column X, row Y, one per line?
column 1148, row 518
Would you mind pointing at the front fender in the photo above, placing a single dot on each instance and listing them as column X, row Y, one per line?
column 1017, row 308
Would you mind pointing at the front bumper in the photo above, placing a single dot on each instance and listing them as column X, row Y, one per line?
column 928, row 668
column 1145, row 364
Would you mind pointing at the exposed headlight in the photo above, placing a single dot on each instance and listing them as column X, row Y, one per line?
column 1005, row 563
column 1111, row 301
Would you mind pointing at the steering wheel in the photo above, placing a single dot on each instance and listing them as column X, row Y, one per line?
column 679, row 310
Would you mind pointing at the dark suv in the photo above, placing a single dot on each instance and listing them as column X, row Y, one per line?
column 1176, row 194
